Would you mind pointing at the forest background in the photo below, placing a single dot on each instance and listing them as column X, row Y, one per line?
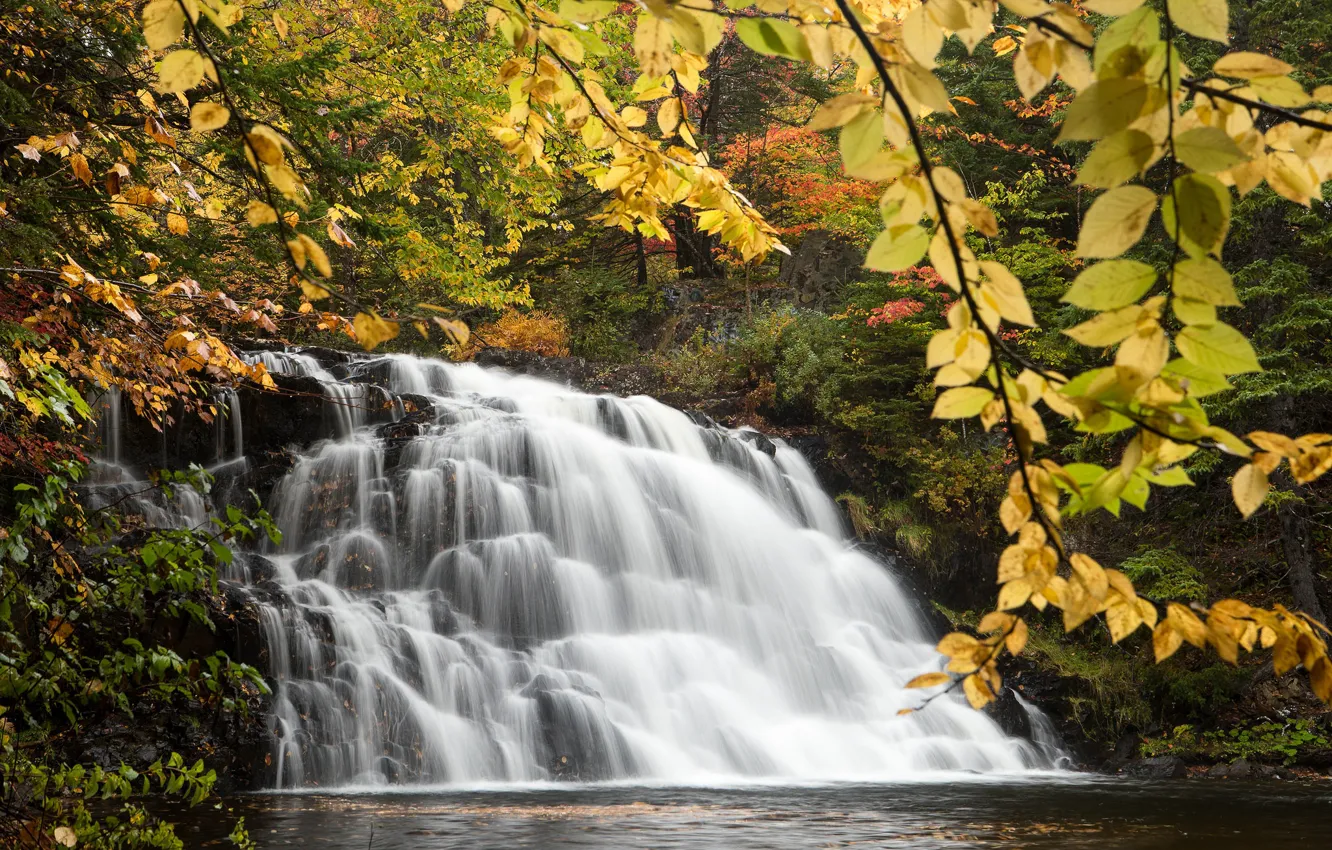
column 136, row 254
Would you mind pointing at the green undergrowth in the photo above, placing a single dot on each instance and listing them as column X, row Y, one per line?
column 1286, row 742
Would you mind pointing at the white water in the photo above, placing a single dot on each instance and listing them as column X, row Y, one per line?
column 550, row 585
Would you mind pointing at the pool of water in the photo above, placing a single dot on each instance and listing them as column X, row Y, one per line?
column 1100, row 813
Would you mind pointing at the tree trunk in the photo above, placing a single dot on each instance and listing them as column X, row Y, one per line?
column 1297, row 545
column 693, row 249
column 640, row 261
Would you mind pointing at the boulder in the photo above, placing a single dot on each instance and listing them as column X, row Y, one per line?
column 1161, row 767
column 820, row 267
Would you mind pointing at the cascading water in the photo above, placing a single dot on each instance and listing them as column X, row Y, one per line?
column 520, row 582
column 541, row 584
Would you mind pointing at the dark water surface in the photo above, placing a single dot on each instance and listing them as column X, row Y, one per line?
column 1104, row 814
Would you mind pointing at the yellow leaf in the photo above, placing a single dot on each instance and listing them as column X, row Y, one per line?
column 921, row 36
column 1113, row 8
column 1008, row 293
column 163, row 23
column 956, row 643
column 1278, row 91
column 1016, row 641
column 316, row 254
column 65, row 837
column 371, row 330
column 1203, row 18
column 1104, row 107
column 978, row 691
column 633, row 116
column 897, row 248
column 961, row 402
column 1320, row 679
column 1187, row 624
column 929, row 680
column 314, row 291
column 457, row 331
column 1111, row 284
column 1143, row 354
column 296, row 247
column 1249, row 65
column 1014, row 512
column 280, row 24
column 266, row 144
column 563, row 43
column 840, row 110
column 259, row 213
column 205, row 116
column 1165, row 641
column 668, row 116
column 1116, row 221
column 1249, row 488
column 177, row 224
column 1205, row 280
column 1108, row 328
column 1116, row 159
column 1091, row 575
column 180, row 71
column 1123, row 618
column 652, row 45
column 79, row 164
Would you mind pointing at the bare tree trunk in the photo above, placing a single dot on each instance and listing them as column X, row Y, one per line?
column 1297, row 545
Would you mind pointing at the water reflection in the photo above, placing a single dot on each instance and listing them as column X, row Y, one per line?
column 1100, row 814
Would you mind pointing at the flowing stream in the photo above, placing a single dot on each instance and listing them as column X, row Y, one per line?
column 487, row 578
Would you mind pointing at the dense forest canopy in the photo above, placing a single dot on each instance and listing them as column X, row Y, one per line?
column 1092, row 236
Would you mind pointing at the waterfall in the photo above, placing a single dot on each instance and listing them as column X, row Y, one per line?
column 113, row 482
column 1042, row 732
column 521, row 582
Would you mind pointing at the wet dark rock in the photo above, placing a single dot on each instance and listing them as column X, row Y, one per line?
column 1161, row 767
column 701, row 419
column 758, row 441
column 579, row 743
column 292, row 415
column 1240, row 769
column 1218, row 771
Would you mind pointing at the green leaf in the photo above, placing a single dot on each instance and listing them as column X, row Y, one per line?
column 1110, row 285
column 1204, row 279
column 1204, row 213
column 897, row 248
column 1102, row 108
column 961, row 402
column 1173, row 477
column 1197, row 381
column 861, row 138
column 774, row 38
column 1137, row 31
column 1116, row 159
column 1208, row 149
column 1218, row 348
column 1136, row 492
column 1190, row 311
column 1116, row 221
